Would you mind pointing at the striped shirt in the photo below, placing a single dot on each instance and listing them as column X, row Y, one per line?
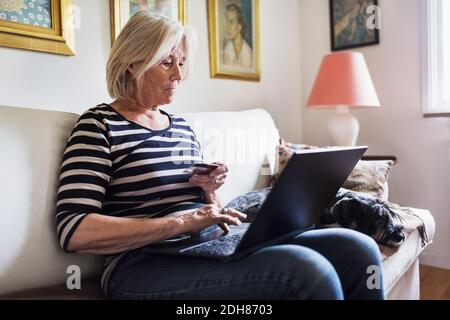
column 115, row 167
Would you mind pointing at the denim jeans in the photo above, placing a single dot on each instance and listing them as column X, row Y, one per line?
column 318, row 264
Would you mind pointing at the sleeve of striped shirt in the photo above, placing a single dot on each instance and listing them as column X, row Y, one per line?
column 200, row 149
column 84, row 176
column 194, row 137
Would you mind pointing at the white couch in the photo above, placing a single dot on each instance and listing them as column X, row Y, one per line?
column 32, row 142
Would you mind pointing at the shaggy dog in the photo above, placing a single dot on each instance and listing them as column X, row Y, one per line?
column 365, row 214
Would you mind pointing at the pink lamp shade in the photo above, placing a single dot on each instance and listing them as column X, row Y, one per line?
column 343, row 79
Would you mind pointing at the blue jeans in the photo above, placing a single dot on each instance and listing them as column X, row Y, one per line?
column 318, row 264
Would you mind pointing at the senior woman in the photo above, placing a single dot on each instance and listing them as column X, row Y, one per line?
column 122, row 188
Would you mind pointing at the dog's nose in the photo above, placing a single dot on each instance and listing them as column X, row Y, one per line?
column 398, row 236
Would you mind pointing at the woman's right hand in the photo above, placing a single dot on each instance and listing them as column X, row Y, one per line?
column 209, row 215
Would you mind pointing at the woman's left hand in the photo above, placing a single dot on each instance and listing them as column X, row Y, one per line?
column 212, row 181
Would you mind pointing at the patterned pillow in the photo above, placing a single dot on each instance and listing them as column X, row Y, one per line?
column 370, row 177
column 283, row 155
column 285, row 150
column 250, row 202
column 367, row 176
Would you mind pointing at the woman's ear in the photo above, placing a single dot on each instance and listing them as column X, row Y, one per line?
column 133, row 69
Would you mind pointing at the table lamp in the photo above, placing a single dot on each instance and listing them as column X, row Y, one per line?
column 343, row 82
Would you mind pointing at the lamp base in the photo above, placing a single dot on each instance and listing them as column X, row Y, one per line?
column 343, row 128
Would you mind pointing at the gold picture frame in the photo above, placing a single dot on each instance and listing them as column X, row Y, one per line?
column 53, row 32
column 234, row 42
column 120, row 12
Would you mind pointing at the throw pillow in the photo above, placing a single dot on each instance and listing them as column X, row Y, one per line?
column 370, row 177
column 367, row 176
column 283, row 155
column 284, row 152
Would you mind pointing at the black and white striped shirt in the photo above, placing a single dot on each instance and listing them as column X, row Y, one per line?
column 115, row 167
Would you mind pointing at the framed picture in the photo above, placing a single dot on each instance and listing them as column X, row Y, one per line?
column 122, row 10
column 38, row 25
column 349, row 27
column 234, row 39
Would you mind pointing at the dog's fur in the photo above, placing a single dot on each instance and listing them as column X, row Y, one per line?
column 366, row 214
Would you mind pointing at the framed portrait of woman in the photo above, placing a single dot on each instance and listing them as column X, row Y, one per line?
column 122, row 10
column 38, row 25
column 234, row 39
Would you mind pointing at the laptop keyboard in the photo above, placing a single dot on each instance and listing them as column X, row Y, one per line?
column 224, row 246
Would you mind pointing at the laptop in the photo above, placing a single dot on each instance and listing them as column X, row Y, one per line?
column 306, row 186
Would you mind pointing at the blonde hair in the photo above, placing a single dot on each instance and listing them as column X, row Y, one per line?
column 146, row 40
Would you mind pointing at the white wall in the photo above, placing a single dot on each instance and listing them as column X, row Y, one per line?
column 421, row 177
column 46, row 81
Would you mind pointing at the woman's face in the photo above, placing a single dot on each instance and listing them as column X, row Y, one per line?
column 161, row 81
column 233, row 26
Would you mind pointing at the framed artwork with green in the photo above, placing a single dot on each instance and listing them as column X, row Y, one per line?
column 38, row 25
column 349, row 24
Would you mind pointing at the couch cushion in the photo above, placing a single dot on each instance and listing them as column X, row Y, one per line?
column 33, row 142
column 245, row 141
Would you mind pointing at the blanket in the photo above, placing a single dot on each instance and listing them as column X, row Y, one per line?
column 410, row 223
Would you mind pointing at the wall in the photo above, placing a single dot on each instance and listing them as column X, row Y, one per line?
column 45, row 81
column 421, row 177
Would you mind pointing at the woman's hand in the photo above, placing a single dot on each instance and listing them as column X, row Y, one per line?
column 212, row 181
column 209, row 215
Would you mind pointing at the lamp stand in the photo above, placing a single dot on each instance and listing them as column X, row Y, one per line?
column 343, row 128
